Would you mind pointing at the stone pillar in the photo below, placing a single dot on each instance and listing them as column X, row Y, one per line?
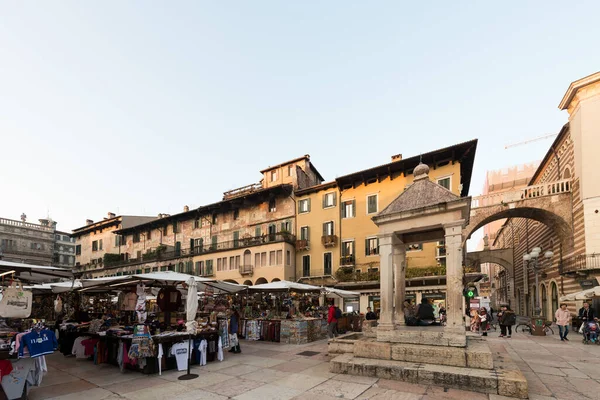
column 454, row 276
column 386, row 279
column 399, row 263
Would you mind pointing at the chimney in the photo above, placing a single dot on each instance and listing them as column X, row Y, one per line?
column 89, row 222
column 186, row 209
column 397, row 157
column 111, row 215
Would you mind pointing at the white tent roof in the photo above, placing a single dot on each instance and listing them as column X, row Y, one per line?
column 285, row 285
column 345, row 294
column 583, row 295
column 34, row 273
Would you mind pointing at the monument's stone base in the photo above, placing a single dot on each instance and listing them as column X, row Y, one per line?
column 471, row 367
column 430, row 336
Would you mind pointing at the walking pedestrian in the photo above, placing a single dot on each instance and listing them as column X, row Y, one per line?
column 484, row 321
column 506, row 318
column 331, row 322
column 563, row 319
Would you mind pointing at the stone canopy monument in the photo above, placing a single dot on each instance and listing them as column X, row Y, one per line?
column 439, row 355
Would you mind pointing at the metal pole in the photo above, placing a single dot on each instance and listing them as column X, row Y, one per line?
column 538, row 308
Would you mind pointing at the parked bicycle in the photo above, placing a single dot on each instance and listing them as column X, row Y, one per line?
column 527, row 327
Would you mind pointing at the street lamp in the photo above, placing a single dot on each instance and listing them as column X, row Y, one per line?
column 533, row 257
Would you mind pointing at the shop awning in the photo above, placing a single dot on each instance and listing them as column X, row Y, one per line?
column 583, row 295
column 281, row 286
column 344, row 294
column 33, row 273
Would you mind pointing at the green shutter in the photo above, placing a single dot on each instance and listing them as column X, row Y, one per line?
column 334, row 199
column 354, row 208
column 367, row 253
column 324, row 200
column 308, row 233
column 236, row 238
column 257, row 231
column 308, row 205
column 325, row 229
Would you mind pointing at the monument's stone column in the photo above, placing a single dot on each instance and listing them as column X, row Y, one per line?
column 386, row 279
column 399, row 263
column 454, row 276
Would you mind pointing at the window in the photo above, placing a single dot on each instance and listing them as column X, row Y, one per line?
column 139, row 255
column 328, row 228
column 213, row 244
column 329, row 200
column 236, row 214
column 348, row 248
column 372, row 204
column 237, row 263
column 263, row 259
column 371, row 246
column 199, row 267
column 78, row 250
column 8, row 243
column 214, row 219
column 149, row 235
column 208, row 270
column 236, row 239
column 219, row 264
column 274, row 176
column 225, row 264
column 288, row 257
column 272, row 205
column 305, row 265
column 327, row 264
column 197, row 224
column 441, row 249
column 271, row 258
column 164, row 230
column 175, row 227
column 303, row 206
column 286, row 226
column 304, row 233
column 118, row 240
column 199, row 243
column 136, row 238
column 100, row 244
column 414, row 247
column 257, row 231
column 94, row 245
column 348, row 209
column 290, row 170
column 232, row 261
column 279, row 257
column 256, row 259
column 445, row 182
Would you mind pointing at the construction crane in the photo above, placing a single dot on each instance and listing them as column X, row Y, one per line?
column 508, row 146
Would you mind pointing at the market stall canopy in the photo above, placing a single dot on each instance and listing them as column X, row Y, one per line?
column 281, row 286
column 33, row 273
column 220, row 287
column 344, row 294
column 583, row 295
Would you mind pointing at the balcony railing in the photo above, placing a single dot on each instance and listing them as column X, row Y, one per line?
column 302, row 244
column 161, row 254
column 246, row 269
column 346, row 261
column 346, row 275
column 329, row 240
column 581, row 263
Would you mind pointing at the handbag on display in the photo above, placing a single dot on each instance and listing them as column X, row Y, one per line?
column 58, row 306
column 16, row 302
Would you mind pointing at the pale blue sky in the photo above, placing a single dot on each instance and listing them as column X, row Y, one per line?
column 141, row 107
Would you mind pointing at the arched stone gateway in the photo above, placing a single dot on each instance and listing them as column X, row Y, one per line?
column 248, row 282
column 501, row 257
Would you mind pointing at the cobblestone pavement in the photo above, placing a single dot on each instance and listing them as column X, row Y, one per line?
column 554, row 370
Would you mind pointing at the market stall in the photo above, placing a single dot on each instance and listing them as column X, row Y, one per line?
column 26, row 314
column 283, row 311
column 351, row 319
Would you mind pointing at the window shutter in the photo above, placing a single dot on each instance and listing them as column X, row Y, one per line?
column 282, row 227
column 324, row 200
column 334, row 198
column 308, row 205
column 307, row 233
column 325, row 229
column 192, row 245
column 299, row 206
column 354, row 208
column 367, row 250
column 343, row 210
column 257, row 231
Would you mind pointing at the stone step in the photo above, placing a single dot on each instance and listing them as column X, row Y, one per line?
column 509, row 383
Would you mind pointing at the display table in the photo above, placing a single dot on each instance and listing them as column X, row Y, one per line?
column 302, row 331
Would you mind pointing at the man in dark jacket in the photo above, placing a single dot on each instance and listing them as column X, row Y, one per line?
column 586, row 313
column 370, row 315
column 425, row 313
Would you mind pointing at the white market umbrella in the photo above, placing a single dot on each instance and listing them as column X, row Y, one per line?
column 284, row 286
column 582, row 295
column 344, row 294
column 191, row 306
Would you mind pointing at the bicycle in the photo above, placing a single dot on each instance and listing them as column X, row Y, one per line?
column 528, row 327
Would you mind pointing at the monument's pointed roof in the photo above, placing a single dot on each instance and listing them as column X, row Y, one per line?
column 422, row 193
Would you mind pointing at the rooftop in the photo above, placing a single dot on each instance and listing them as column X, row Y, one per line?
column 575, row 86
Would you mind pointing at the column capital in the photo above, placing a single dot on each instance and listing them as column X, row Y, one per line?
column 388, row 239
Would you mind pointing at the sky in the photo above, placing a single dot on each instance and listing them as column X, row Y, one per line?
column 142, row 107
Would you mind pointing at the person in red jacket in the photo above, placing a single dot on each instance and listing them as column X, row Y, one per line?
column 332, row 322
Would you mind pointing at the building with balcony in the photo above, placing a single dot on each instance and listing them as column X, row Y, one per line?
column 247, row 237
column 575, row 263
column 337, row 241
column 96, row 239
column 26, row 242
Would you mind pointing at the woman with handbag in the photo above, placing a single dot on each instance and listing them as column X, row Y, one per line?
column 484, row 321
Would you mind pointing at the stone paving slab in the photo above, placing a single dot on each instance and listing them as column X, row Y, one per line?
column 553, row 369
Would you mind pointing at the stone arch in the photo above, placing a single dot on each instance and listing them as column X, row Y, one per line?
column 567, row 173
column 260, row 281
column 544, row 299
column 230, row 281
column 276, row 280
column 552, row 220
column 248, row 282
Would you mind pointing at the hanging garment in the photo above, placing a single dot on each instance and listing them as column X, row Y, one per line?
column 180, row 351
column 169, row 299
column 14, row 384
column 220, row 350
column 160, row 356
column 203, row 348
column 5, row 368
column 78, row 349
column 140, row 306
column 39, row 343
column 129, row 301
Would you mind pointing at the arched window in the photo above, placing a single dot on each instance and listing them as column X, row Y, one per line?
column 554, row 298
column 567, row 173
column 544, row 295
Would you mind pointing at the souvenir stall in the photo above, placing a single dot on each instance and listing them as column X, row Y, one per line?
column 350, row 321
column 25, row 337
column 286, row 312
column 147, row 322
